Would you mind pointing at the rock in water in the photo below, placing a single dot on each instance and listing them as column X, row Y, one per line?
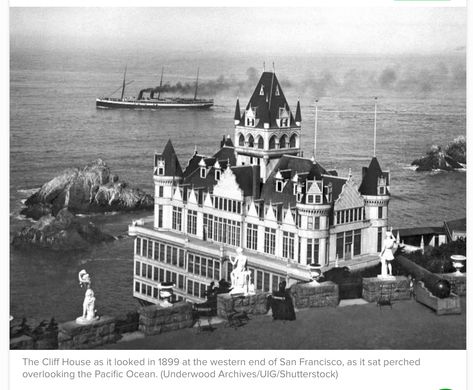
column 436, row 159
column 62, row 232
column 91, row 189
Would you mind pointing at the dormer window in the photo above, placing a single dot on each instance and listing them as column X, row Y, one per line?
column 298, row 197
column 203, row 172
column 283, row 117
column 294, row 189
column 250, row 122
column 318, row 199
column 279, row 186
column 160, row 167
column 277, row 90
column 217, row 174
column 250, row 117
column 382, row 190
column 328, row 193
column 261, row 91
column 310, row 199
column 381, row 185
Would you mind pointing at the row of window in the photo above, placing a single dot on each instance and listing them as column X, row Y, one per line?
column 203, row 266
column 259, row 143
column 159, row 251
column 348, row 244
column 196, row 289
column 349, row 215
column 158, row 274
column 146, row 289
column 225, row 204
column 222, row 230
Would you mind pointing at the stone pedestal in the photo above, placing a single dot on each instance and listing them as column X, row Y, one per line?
column 315, row 294
column 449, row 305
column 251, row 304
column 400, row 286
column 457, row 282
column 86, row 336
column 155, row 319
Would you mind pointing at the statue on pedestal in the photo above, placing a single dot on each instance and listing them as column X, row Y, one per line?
column 88, row 307
column 240, row 276
column 387, row 256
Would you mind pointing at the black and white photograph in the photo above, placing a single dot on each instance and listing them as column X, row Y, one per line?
column 237, row 178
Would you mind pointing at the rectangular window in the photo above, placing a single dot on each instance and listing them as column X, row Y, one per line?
column 162, row 252
column 380, row 239
column 182, row 258
column 210, row 268
column 174, row 256
column 192, row 222
column 180, row 282
column 143, row 270
column 150, row 272
column 380, row 212
column 190, row 284
column 197, row 265
column 160, row 215
column 156, row 274
column 143, row 289
column 196, row 289
column 156, row 251
column 161, row 275
column 155, row 293
column 176, row 218
column 252, row 236
column 150, row 249
column 217, row 270
column 288, row 245
column 148, row 290
column 275, row 283
column 203, row 267
column 145, row 247
column 190, row 264
column 137, row 287
column 270, row 241
column 357, row 243
column 168, row 254
column 137, row 268
column 259, row 280
column 310, row 223
column 339, row 249
column 266, row 285
column 203, row 290
column 160, row 191
column 138, row 246
column 316, row 223
column 168, row 276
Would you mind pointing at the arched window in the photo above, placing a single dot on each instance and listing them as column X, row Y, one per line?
column 241, row 140
column 293, row 141
column 251, row 141
column 283, row 142
column 260, row 142
column 272, row 142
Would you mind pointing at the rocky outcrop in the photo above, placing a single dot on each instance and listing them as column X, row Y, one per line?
column 452, row 158
column 61, row 232
column 91, row 189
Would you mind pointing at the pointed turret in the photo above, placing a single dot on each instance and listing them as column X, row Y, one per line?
column 298, row 118
column 373, row 179
column 237, row 115
column 167, row 163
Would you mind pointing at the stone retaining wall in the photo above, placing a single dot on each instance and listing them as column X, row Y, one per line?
column 251, row 304
column 85, row 336
column 457, row 283
column 401, row 288
column 156, row 319
column 315, row 295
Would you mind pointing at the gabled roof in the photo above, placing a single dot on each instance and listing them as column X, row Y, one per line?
column 369, row 183
column 305, row 168
column 267, row 99
column 193, row 164
column 171, row 162
column 226, row 153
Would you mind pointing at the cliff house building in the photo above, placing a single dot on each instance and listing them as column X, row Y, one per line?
column 256, row 192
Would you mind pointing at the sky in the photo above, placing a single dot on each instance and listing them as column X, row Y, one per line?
column 284, row 31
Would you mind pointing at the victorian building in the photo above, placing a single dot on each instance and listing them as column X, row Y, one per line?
column 256, row 192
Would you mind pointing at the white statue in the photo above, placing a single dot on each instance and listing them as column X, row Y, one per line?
column 387, row 256
column 88, row 307
column 240, row 276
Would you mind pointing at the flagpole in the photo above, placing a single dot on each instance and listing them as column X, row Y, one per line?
column 315, row 128
column 374, row 138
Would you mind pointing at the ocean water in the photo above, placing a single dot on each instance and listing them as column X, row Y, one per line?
column 54, row 125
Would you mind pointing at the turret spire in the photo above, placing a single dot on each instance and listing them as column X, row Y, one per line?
column 237, row 115
column 374, row 136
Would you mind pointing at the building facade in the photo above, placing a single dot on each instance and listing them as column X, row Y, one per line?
column 256, row 192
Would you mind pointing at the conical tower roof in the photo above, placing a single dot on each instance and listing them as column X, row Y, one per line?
column 369, row 183
column 171, row 162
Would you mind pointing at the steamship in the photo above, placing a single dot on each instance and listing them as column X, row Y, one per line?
column 147, row 100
